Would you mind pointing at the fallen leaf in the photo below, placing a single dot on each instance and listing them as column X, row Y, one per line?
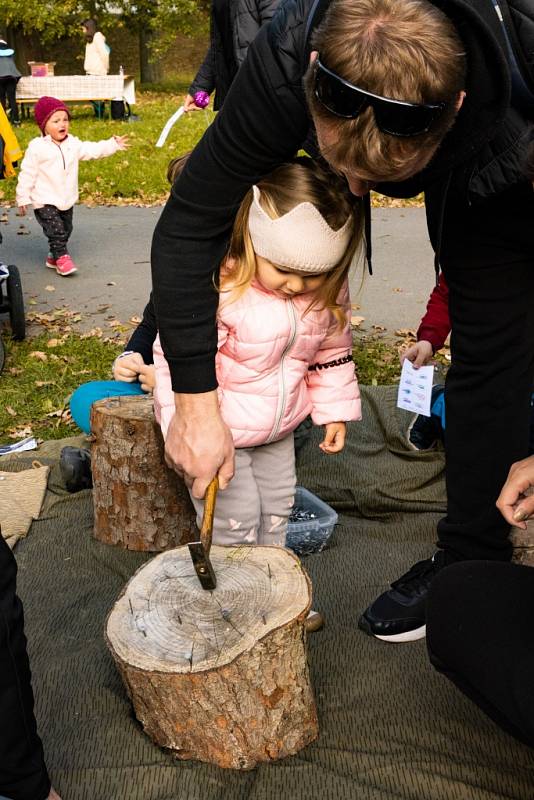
column 50, row 288
column 32, row 302
column 405, row 332
column 111, row 283
column 378, row 327
column 356, row 321
column 397, row 289
column 53, row 342
column 20, row 433
column 136, row 320
column 11, row 411
column 44, row 383
column 23, row 231
column 39, row 355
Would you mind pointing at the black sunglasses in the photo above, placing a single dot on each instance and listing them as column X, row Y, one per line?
column 395, row 117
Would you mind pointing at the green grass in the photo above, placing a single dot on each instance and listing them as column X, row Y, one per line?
column 41, row 373
column 137, row 176
column 39, row 376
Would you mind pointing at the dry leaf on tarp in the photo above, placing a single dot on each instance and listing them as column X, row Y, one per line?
column 21, row 498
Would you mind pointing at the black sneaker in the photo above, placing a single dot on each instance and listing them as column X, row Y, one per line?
column 426, row 431
column 75, row 466
column 399, row 615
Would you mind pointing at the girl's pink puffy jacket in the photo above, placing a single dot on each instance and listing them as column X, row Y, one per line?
column 266, row 344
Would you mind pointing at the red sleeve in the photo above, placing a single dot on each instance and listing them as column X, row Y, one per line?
column 436, row 323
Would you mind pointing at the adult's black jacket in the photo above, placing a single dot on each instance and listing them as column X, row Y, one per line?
column 234, row 24
column 263, row 123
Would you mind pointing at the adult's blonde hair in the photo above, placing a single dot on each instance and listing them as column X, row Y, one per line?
column 299, row 181
column 402, row 49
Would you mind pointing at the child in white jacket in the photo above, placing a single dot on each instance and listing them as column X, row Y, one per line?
column 48, row 177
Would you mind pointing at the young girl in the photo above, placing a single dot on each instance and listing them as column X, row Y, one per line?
column 48, row 177
column 284, row 342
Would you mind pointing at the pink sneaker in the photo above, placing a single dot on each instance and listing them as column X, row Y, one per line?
column 65, row 265
column 51, row 262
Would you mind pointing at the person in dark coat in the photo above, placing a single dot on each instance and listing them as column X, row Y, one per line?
column 480, row 628
column 234, row 25
column 9, row 77
column 404, row 96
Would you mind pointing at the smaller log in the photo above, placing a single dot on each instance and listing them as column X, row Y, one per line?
column 523, row 542
column 220, row 676
column 139, row 503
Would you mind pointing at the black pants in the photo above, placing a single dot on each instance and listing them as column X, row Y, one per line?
column 57, row 227
column 480, row 634
column 8, row 91
column 23, row 773
column 488, row 261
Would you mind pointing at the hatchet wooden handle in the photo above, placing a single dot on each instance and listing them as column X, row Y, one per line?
column 209, row 510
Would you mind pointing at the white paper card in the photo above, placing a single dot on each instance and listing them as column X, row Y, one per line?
column 415, row 388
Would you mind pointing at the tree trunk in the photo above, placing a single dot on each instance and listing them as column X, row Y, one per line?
column 219, row 676
column 139, row 503
column 523, row 542
column 150, row 66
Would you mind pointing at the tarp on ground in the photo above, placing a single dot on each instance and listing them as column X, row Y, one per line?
column 391, row 728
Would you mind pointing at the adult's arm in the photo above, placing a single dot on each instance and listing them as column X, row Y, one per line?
column 204, row 80
column 436, row 323
column 143, row 337
column 261, row 125
column 511, row 502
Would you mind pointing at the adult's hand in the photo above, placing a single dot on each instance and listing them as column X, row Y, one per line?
column 199, row 444
column 514, row 507
column 189, row 104
column 53, row 795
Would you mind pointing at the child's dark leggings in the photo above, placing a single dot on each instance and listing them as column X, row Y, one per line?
column 23, row 773
column 57, row 227
column 480, row 634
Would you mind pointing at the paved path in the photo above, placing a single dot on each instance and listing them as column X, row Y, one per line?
column 112, row 248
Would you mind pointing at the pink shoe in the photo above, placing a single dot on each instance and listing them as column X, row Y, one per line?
column 65, row 265
column 51, row 262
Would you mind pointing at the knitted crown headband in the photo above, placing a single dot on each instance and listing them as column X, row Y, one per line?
column 301, row 239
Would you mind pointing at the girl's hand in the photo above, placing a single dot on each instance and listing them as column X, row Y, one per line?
column 22, row 211
column 189, row 104
column 334, row 437
column 127, row 368
column 122, row 142
column 53, row 795
column 512, row 503
column 419, row 353
column 147, row 378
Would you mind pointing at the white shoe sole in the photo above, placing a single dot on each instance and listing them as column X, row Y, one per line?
column 409, row 636
column 49, row 265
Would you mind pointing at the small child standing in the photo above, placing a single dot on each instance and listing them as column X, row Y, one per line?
column 48, row 177
column 285, row 345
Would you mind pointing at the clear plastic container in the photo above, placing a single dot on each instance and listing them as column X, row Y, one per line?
column 310, row 535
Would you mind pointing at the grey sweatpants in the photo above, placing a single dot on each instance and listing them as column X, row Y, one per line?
column 255, row 507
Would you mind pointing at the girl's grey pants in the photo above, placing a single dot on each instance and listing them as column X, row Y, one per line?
column 255, row 507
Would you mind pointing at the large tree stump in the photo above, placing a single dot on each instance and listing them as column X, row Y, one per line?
column 523, row 542
column 219, row 676
column 139, row 503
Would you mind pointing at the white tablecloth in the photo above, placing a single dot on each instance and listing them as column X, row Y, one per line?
column 78, row 87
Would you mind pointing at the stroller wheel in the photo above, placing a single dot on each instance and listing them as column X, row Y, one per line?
column 16, row 304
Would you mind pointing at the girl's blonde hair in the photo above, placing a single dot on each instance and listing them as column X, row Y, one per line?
column 299, row 181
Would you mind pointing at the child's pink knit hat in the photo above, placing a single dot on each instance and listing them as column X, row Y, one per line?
column 45, row 107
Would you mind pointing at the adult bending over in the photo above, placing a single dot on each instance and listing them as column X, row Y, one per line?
column 439, row 120
column 480, row 626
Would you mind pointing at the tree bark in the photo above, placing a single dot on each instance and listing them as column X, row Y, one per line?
column 219, row 676
column 150, row 66
column 139, row 503
column 523, row 542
